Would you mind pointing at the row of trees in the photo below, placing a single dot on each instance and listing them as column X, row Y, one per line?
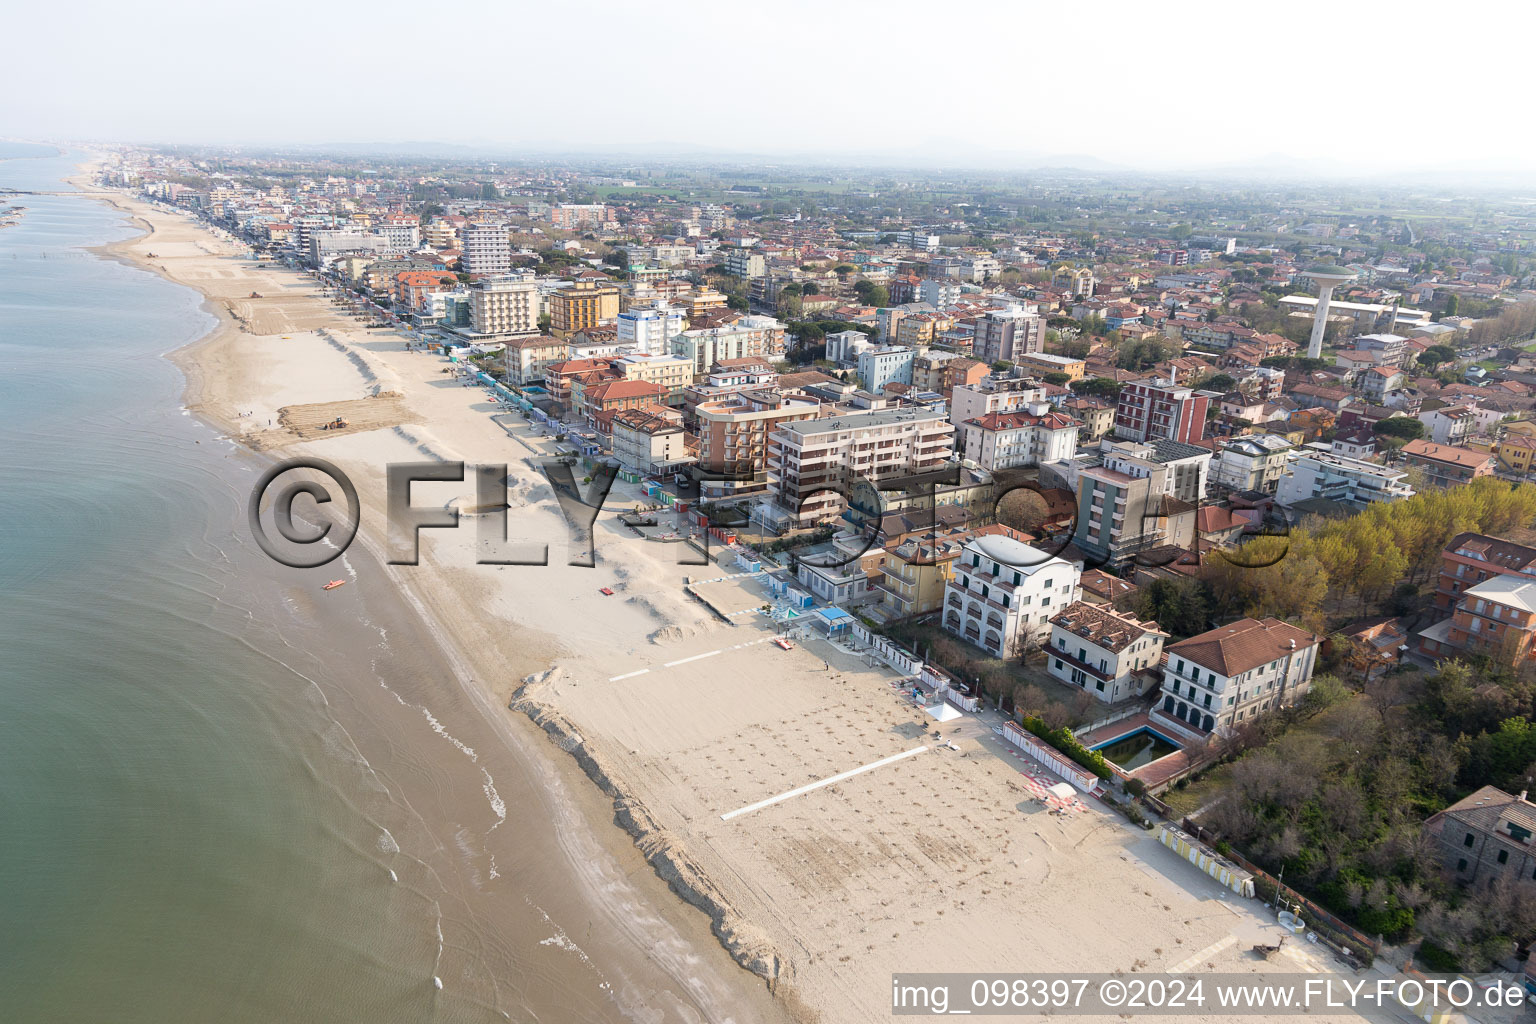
column 1513, row 323
column 1319, row 568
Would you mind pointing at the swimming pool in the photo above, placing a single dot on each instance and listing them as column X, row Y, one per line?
column 1136, row 749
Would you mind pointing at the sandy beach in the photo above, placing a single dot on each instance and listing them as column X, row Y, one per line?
column 937, row 861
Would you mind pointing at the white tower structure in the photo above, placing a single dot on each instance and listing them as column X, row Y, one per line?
column 1326, row 277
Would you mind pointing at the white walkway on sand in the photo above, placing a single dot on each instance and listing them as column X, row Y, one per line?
column 823, row 782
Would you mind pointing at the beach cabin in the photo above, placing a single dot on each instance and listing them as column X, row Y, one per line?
column 833, row 621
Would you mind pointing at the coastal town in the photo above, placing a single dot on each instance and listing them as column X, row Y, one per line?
column 1145, row 579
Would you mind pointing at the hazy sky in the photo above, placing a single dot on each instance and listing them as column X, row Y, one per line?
column 1332, row 85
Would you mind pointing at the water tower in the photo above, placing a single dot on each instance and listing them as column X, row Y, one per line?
column 1325, row 276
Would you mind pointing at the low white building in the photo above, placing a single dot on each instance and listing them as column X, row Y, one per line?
column 1004, row 592
column 1315, row 472
column 1107, row 653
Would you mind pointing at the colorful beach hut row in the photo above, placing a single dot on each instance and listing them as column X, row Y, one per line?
column 1202, row 857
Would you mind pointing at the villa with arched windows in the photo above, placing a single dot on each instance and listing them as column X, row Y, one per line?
column 1221, row 678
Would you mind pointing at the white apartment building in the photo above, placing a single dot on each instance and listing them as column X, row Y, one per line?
column 1255, row 462
column 1032, row 435
column 760, row 336
column 504, row 305
column 650, row 329
column 745, row 263
column 809, row 458
column 485, row 249
column 647, row 441
column 1313, row 471
column 881, row 366
column 399, row 237
column 845, row 346
column 1004, row 592
column 1111, row 655
column 973, row 401
column 938, row 293
column 1219, row 679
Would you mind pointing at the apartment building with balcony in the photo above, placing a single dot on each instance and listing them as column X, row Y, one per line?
column 1007, row 334
column 913, row 581
column 1313, row 471
column 598, row 402
column 582, row 305
column 1148, row 410
column 650, row 329
column 1496, row 617
column 1027, row 437
column 1042, row 363
column 881, row 366
column 1133, row 498
column 1004, row 592
column 761, row 337
column 485, row 249
column 1109, row 654
column 1222, row 678
column 504, row 305
column 529, row 359
column 970, row 401
column 1446, row 465
column 672, row 373
column 1254, row 462
column 736, row 438
column 813, row 459
column 1471, row 558
column 649, row 440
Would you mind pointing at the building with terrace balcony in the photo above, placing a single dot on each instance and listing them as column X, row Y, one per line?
column 1496, row 617
column 1313, row 471
column 1111, row 655
column 1222, row 678
column 1003, row 593
column 815, row 464
column 736, row 438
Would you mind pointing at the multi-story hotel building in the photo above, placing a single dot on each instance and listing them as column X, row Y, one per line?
column 1111, row 655
column 1471, row 558
column 1145, row 411
column 1314, row 472
column 671, row 372
column 837, row 451
column 1028, row 437
column 486, row 249
column 582, row 305
column 1004, row 592
column 504, row 305
column 736, row 438
column 650, row 329
column 1219, row 679
column 1007, row 335
column 759, row 336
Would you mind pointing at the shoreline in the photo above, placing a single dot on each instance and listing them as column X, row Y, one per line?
column 663, row 853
